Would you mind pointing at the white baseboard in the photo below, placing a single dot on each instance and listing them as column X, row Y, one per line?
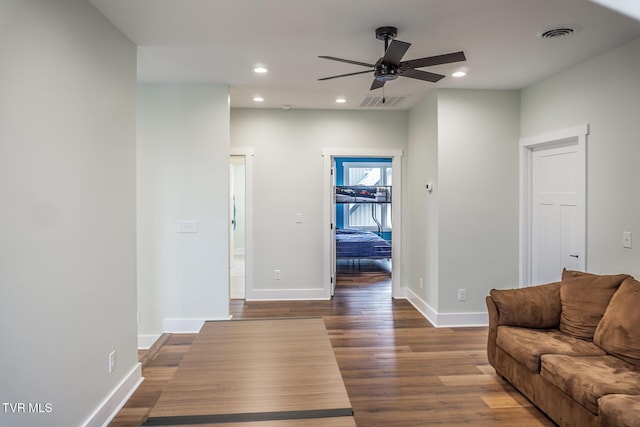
column 184, row 326
column 447, row 320
column 146, row 341
column 286, row 294
column 117, row 399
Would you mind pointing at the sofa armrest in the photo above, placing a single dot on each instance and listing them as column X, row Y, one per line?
column 493, row 330
column 533, row 307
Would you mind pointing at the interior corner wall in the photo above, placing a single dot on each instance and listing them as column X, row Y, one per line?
column 478, row 177
column 182, row 175
column 421, row 240
column 67, row 222
column 604, row 93
column 288, row 179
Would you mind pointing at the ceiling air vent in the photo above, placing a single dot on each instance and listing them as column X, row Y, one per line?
column 559, row 31
column 381, row 102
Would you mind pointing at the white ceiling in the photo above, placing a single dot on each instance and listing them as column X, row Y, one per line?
column 220, row 41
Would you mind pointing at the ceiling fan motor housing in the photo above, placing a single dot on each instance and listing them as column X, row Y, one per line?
column 385, row 72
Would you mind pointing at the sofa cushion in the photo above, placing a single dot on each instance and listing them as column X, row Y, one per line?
column 584, row 299
column 588, row 378
column 532, row 307
column 619, row 410
column 618, row 332
column 528, row 345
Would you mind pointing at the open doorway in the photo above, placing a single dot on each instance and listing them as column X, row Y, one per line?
column 237, row 226
column 240, row 222
column 384, row 213
column 363, row 219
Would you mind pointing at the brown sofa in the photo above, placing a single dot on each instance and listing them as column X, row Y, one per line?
column 571, row 347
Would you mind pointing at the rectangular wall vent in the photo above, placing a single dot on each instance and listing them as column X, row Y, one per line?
column 376, row 101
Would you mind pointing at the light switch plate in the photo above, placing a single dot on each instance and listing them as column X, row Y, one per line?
column 187, row 226
column 626, row 239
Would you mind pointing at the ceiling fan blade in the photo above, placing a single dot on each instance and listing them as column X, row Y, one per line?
column 395, row 52
column 377, row 84
column 434, row 60
column 348, row 61
column 346, row 75
column 422, row 75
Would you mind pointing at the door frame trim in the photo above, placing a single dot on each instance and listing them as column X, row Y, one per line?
column 576, row 135
column 396, row 210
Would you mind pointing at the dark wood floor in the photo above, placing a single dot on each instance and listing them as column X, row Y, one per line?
column 398, row 370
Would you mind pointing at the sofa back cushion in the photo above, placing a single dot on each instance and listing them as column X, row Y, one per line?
column 584, row 299
column 618, row 333
column 532, row 307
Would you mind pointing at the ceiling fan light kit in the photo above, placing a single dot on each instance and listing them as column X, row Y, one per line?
column 390, row 67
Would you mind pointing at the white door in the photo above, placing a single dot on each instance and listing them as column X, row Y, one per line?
column 555, row 220
column 553, row 213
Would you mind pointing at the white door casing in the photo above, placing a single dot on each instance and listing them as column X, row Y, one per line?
column 329, row 155
column 333, row 227
column 552, row 204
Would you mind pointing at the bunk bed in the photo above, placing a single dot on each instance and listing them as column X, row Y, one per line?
column 358, row 244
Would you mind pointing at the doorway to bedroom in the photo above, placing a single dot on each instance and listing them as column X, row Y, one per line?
column 389, row 170
column 363, row 221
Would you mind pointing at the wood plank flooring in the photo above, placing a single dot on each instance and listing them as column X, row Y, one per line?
column 397, row 369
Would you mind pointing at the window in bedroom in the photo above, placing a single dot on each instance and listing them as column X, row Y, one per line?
column 364, row 215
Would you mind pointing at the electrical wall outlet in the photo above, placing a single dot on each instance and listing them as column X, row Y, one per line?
column 462, row 294
column 112, row 361
column 277, row 274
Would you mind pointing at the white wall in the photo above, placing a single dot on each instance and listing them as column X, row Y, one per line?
column 182, row 174
column 67, row 216
column 421, row 256
column 463, row 235
column 288, row 170
column 478, row 134
column 603, row 92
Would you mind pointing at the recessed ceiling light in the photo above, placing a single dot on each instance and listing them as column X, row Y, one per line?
column 260, row 70
column 459, row 74
column 340, row 100
column 258, row 98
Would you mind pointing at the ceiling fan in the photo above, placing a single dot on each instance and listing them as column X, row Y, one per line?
column 389, row 67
